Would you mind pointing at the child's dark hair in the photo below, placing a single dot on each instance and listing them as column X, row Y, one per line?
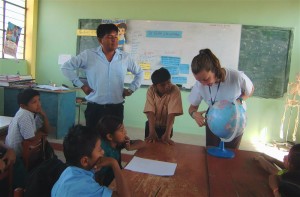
column 104, row 29
column 294, row 158
column 207, row 61
column 79, row 142
column 26, row 95
column 108, row 125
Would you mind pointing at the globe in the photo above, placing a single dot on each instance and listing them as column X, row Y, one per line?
column 226, row 119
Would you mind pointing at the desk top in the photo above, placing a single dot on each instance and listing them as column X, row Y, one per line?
column 190, row 178
column 41, row 89
column 199, row 174
column 5, row 121
column 240, row 176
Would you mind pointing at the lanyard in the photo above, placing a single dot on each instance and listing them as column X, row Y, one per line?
column 211, row 100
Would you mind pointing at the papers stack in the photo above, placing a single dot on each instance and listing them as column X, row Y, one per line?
column 53, row 88
column 16, row 80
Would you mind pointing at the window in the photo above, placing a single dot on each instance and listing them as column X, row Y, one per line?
column 13, row 11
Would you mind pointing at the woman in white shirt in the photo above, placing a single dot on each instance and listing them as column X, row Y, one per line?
column 215, row 83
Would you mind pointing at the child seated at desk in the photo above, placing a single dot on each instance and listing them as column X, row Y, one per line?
column 114, row 139
column 84, row 155
column 284, row 182
column 30, row 121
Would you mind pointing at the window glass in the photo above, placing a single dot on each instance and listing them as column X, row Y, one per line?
column 12, row 11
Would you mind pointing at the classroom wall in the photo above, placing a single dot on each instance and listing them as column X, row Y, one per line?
column 58, row 21
column 13, row 66
column 8, row 66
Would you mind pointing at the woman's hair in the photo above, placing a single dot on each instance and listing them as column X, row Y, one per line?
column 294, row 158
column 108, row 125
column 207, row 61
column 79, row 142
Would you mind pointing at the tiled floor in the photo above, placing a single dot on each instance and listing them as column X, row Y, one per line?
column 135, row 133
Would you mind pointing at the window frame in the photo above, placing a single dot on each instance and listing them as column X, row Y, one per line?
column 3, row 31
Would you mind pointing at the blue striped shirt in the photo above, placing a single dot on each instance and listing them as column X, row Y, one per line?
column 104, row 77
column 22, row 127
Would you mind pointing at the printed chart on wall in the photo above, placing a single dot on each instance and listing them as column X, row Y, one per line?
column 155, row 44
column 172, row 45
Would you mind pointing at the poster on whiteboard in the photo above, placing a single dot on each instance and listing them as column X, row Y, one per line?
column 155, row 44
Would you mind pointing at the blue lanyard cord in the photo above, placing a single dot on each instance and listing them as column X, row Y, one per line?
column 211, row 100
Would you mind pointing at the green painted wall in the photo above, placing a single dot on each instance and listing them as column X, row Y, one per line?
column 8, row 66
column 58, row 21
column 13, row 66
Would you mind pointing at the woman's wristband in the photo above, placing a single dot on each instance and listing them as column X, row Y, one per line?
column 275, row 190
column 241, row 100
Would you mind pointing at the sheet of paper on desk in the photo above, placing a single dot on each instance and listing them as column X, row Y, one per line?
column 149, row 166
column 49, row 87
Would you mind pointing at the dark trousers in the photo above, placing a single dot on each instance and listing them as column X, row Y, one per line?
column 213, row 140
column 94, row 112
column 159, row 130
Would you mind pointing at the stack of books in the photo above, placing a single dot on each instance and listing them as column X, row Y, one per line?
column 17, row 80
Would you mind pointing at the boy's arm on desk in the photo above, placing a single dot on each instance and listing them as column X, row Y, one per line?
column 273, row 161
column 266, row 165
column 134, row 144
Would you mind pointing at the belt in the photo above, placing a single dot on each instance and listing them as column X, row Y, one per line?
column 105, row 105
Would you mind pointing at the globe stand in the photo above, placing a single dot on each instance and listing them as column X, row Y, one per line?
column 221, row 151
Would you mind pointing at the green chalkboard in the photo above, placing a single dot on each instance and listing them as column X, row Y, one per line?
column 87, row 42
column 265, row 57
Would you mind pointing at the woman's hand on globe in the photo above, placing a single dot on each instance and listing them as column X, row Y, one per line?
column 199, row 118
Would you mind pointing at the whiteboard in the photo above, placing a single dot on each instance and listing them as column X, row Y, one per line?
column 155, row 44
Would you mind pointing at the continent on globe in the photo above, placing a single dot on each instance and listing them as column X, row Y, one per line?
column 226, row 119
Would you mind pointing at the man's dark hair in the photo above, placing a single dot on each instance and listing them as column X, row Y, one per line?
column 104, row 29
column 26, row 95
column 79, row 142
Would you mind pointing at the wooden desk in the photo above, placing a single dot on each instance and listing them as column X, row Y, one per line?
column 5, row 121
column 190, row 177
column 240, row 176
column 199, row 174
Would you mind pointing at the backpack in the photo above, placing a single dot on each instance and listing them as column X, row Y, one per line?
column 35, row 152
column 42, row 178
